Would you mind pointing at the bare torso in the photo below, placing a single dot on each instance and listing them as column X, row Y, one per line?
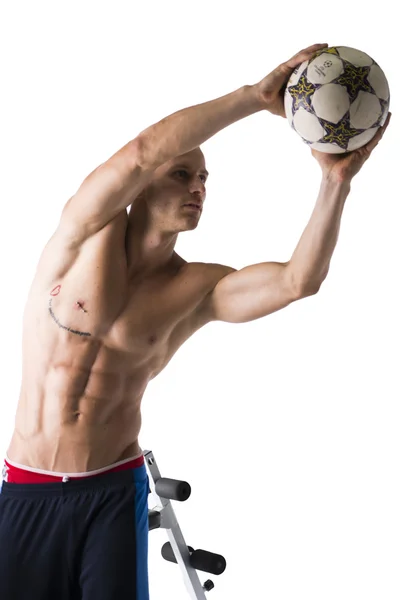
column 93, row 338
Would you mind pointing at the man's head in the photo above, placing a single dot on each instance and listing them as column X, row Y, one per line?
column 174, row 199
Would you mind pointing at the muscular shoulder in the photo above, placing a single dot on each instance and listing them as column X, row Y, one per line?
column 207, row 275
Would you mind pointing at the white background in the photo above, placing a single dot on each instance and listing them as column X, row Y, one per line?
column 287, row 428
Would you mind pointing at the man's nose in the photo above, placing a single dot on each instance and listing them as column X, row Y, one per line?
column 197, row 186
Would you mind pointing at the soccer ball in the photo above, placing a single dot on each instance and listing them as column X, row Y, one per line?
column 337, row 100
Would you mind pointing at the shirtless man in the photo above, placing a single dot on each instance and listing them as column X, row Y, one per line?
column 110, row 304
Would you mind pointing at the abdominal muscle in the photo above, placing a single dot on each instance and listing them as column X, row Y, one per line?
column 80, row 401
column 62, row 428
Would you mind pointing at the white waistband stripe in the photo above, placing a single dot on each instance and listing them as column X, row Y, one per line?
column 88, row 473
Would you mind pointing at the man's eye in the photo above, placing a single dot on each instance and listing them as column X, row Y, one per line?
column 203, row 178
column 181, row 173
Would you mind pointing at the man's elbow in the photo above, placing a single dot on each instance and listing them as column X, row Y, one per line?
column 312, row 287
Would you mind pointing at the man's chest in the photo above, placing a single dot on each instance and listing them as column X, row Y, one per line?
column 144, row 319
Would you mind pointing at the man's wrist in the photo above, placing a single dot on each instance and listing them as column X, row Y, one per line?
column 333, row 190
column 335, row 183
column 254, row 96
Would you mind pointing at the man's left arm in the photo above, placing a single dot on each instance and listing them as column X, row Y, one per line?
column 259, row 290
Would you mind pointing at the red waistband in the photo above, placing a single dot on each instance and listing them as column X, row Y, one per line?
column 17, row 475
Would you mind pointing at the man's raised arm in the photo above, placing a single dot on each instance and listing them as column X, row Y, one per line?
column 116, row 183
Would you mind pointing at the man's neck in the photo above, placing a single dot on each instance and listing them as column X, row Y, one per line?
column 149, row 252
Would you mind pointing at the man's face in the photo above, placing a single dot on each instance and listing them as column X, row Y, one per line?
column 177, row 192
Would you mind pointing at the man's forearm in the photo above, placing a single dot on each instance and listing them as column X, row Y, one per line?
column 309, row 264
column 187, row 129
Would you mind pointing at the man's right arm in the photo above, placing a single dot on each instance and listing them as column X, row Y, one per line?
column 187, row 129
column 115, row 184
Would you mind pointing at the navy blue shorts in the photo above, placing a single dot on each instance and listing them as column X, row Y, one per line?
column 84, row 539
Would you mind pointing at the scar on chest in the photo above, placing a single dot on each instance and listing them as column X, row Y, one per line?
column 78, row 306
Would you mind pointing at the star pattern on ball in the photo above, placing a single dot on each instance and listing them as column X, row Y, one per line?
column 324, row 51
column 302, row 93
column 355, row 80
column 339, row 133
